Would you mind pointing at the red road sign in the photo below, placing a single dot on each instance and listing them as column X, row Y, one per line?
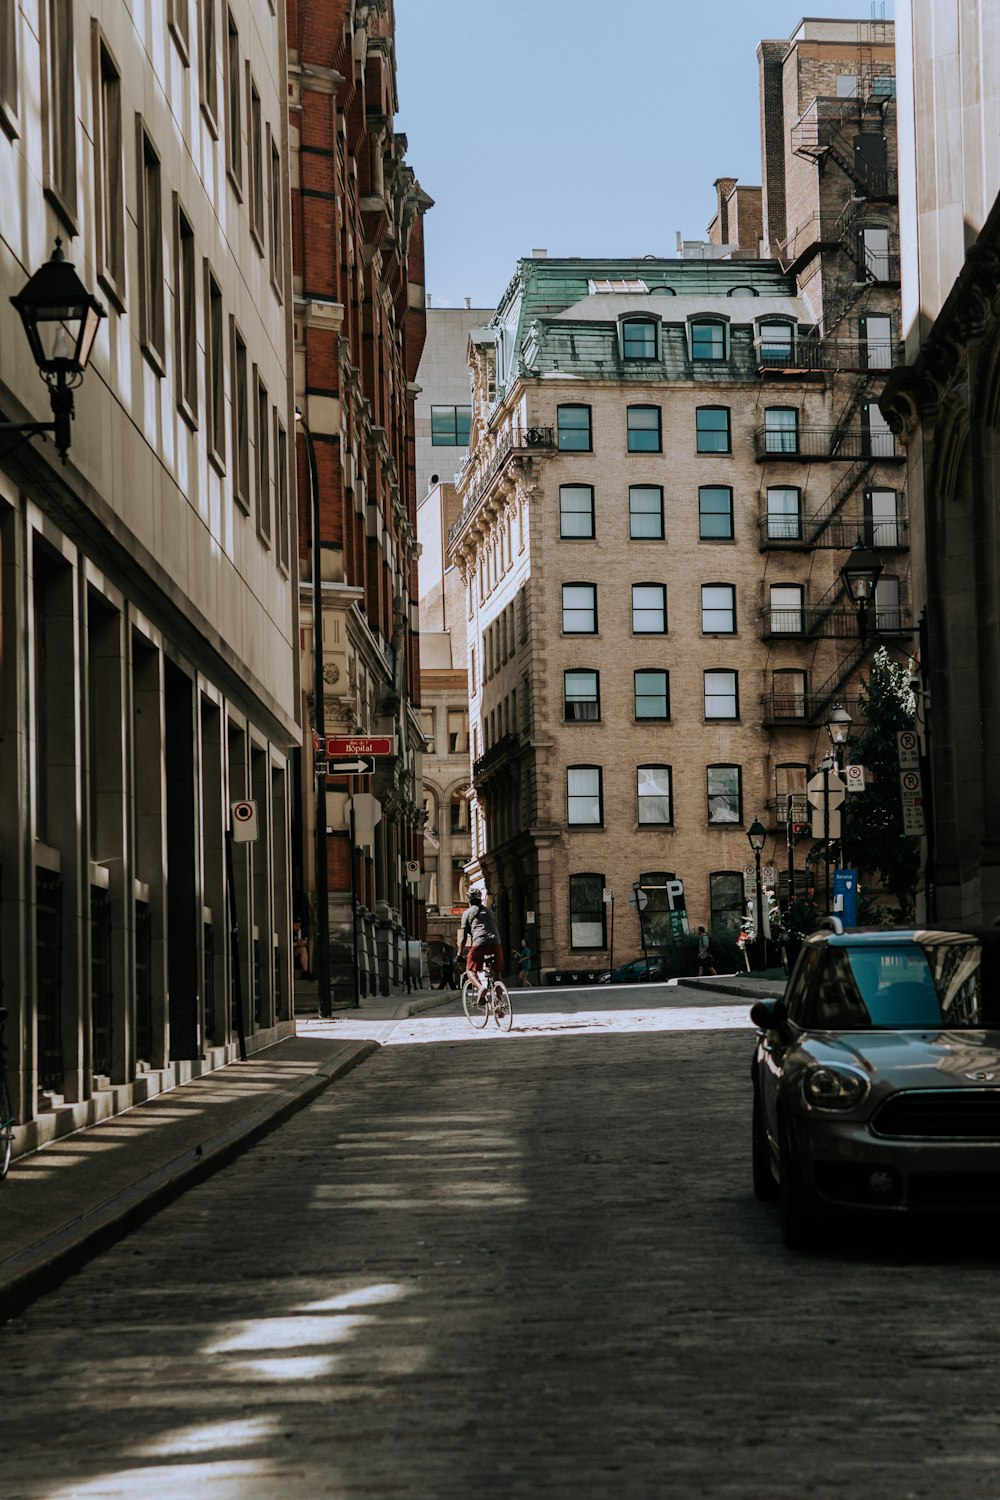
column 335, row 749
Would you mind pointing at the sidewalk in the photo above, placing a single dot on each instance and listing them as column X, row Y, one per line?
column 748, row 986
column 62, row 1204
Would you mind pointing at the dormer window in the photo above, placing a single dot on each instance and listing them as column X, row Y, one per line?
column 775, row 345
column 708, row 340
column 639, row 338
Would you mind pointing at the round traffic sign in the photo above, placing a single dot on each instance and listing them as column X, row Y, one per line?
column 243, row 812
column 910, row 781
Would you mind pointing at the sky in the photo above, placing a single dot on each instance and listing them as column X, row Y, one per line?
column 580, row 126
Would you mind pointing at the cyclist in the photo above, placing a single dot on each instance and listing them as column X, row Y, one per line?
column 479, row 928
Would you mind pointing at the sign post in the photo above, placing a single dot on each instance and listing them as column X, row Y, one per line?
column 826, row 791
column 609, row 900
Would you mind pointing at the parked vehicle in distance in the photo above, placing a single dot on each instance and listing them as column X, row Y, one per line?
column 636, row 971
column 876, row 1080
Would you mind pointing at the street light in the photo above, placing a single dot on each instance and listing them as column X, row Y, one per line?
column 756, row 834
column 838, row 727
column 860, row 574
column 61, row 320
column 323, row 998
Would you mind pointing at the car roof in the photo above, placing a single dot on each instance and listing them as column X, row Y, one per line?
column 855, row 937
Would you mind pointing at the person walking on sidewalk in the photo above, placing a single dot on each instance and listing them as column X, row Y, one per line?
column 479, row 929
column 706, row 963
column 524, row 963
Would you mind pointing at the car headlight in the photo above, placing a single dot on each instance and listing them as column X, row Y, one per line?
column 834, row 1088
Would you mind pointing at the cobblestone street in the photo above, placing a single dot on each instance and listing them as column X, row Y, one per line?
column 508, row 1266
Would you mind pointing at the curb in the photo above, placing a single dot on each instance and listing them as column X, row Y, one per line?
column 43, row 1266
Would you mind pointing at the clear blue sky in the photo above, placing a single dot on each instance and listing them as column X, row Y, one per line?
column 586, row 127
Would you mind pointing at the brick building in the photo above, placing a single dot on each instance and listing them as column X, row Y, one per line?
column 357, row 247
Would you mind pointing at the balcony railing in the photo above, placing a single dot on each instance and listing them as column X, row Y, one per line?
column 822, row 443
column 506, row 745
column 799, row 532
column 512, row 441
column 831, row 624
column 802, row 708
column 807, row 354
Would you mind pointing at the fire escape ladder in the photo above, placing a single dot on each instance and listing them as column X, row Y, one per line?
column 829, row 691
column 859, row 390
column 838, row 497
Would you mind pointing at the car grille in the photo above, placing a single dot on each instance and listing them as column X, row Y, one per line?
column 967, row 1114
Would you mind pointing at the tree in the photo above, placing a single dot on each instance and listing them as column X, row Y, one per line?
column 874, row 841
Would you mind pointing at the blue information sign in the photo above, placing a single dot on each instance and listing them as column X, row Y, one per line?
column 845, row 896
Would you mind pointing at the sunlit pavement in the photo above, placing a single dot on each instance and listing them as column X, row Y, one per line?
column 501, row 1267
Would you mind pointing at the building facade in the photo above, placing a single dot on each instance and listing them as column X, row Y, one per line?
column 945, row 403
column 357, row 241
column 148, row 641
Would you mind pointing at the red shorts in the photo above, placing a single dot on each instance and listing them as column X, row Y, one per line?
column 483, row 950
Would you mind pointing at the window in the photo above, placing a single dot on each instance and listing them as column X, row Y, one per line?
column 784, row 514
column 458, row 821
column 721, row 695
column 653, row 795
column 788, row 693
column 59, row 96
column 8, row 65
column 581, row 696
column 209, row 77
column 888, row 615
column 150, row 233
column 573, row 429
column 185, row 314
column 643, row 429
column 241, row 418
column 652, row 694
column 450, row 426
column 277, row 201
column 781, row 429
column 579, row 608
column 261, row 435
column 458, row 731
column 718, row 609
column 708, row 341
column 874, row 248
column 645, row 512
column 177, row 20
column 586, row 911
column 215, row 388
column 775, row 343
column 281, row 488
column 715, row 513
column 583, row 796
column 256, row 150
column 109, row 199
column 882, row 527
column 742, row 291
column 712, row 425
column 639, row 338
column 576, row 510
column 876, row 341
column 877, row 438
column 726, row 902
column 234, row 119
column 725, row 794
column 786, row 609
column 884, row 87
column 790, row 781
column 649, row 608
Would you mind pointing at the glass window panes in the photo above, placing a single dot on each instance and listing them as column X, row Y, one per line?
column 652, row 695
column 790, row 781
column 579, row 608
column 718, row 608
column 643, row 423
column 881, row 521
column 458, row 731
column 784, row 514
column 781, row 429
column 580, row 696
column 708, row 341
column 450, row 426
column 583, row 795
column 645, row 511
column 725, row 797
column 653, row 790
column 712, row 427
column 573, row 429
column 715, row 512
column 586, row 911
column 721, row 697
column 775, row 344
column 576, row 510
column 888, row 615
column 786, row 609
column 726, row 900
column 876, row 335
column 875, row 253
column 649, row 608
column 879, row 441
column 639, row 339
column 788, row 694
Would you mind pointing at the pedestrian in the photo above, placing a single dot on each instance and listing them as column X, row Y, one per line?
column 300, row 952
column 706, row 963
column 524, row 963
column 446, row 967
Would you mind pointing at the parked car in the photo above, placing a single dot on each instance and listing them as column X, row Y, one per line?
column 635, row 971
column 876, row 1080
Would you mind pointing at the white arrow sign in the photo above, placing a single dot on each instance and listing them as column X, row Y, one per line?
column 363, row 766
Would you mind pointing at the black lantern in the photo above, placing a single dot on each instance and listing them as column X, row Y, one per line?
column 61, row 319
column 838, row 727
column 861, row 573
column 756, row 833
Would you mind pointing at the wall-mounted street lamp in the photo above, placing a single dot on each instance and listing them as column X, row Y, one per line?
column 861, row 573
column 61, row 320
column 756, row 834
column 838, row 727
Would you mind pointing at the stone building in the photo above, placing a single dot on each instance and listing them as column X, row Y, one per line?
column 148, row 630
column 357, row 242
column 946, row 403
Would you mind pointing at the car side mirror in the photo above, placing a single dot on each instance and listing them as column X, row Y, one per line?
column 769, row 1015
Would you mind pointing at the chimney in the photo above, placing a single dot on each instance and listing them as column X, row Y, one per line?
column 468, row 301
column 723, row 187
column 428, row 302
column 539, row 254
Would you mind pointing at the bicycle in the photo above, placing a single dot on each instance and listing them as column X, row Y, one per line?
column 493, row 1001
column 6, row 1106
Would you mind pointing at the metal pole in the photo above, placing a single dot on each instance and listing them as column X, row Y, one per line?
column 760, row 939
column 790, row 847
column 611, row 951
column 406, row 923
column 642, row 927
column 826, row 834
column 323, row 996
column 234, row 948
column 354, row 910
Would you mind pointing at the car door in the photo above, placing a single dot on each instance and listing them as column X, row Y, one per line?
column 775, row 1043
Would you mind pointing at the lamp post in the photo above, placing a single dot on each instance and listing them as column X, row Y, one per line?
column 61, row 320
column 323, row 998
column 838, row 727
column 756, row 834
column 860, row 575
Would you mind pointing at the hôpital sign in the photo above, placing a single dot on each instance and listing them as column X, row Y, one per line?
column 336, row 749
column 244, row 818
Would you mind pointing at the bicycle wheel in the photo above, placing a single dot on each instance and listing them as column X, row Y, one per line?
column 503, row 1011
column 474, row 1004
column 6, row 1128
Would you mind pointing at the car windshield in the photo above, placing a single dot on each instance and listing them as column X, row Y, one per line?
column 940, row 979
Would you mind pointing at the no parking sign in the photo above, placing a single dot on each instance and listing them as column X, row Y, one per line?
column 244, row 816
